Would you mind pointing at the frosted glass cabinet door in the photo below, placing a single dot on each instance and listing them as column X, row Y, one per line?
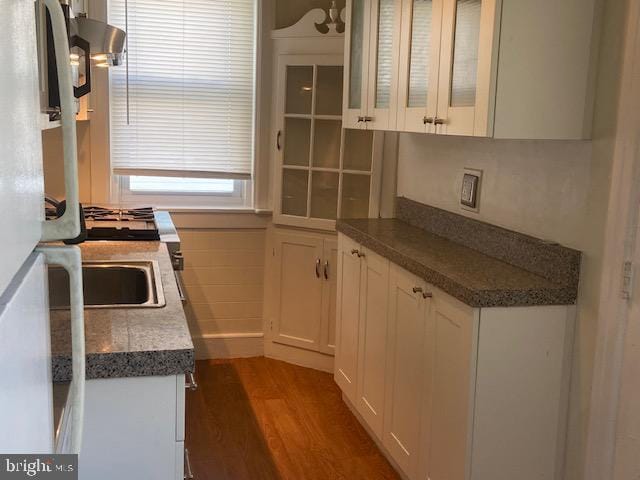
column 357, row 62
column 383, row 64
column 467, row 48
column 419, row 63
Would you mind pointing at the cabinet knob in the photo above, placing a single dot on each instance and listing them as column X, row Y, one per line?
column 357, row 252
column 426, row 120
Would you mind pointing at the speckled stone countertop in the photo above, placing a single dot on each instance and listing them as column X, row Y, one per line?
column 472, row 277
column 128, row 342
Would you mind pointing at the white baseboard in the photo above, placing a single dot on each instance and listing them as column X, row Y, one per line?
column 298, row 356
column 229, row 345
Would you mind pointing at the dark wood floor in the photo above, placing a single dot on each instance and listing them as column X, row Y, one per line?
column 260, row 419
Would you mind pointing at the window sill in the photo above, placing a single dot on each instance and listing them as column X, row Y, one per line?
column 234, row 210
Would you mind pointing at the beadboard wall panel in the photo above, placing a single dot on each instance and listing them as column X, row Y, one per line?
column 223, row 280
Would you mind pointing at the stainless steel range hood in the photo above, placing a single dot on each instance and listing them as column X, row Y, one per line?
column 106, row 41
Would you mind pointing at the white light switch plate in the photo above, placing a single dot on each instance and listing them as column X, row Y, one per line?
column 470, row 191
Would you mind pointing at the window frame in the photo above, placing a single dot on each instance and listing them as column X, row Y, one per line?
column 243, row 196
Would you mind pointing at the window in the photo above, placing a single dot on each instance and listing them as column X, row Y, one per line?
column 182, row 106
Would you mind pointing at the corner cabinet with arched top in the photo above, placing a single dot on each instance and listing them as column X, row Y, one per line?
column 516, row 69
column 322, row 171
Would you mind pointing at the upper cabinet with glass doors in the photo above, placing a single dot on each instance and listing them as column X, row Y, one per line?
column 371, row 72
column 487, row 68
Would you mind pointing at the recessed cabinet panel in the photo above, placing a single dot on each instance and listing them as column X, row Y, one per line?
column 329, row 90
column 405, row 370
column 348, row 317
column 300, row 291
column 294, row 192
column 297, row 141
column 299, row 89
column 326, row 143
column 465, row 53
column 374, row 295
column 452, row 388
column 324, row 195
column 355, row 195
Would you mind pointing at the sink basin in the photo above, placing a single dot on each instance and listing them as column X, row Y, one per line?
column 110, row 284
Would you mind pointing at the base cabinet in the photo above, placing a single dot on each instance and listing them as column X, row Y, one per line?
column 134, row 429
column 407, row 355
column 464, row 393
column 301, row 297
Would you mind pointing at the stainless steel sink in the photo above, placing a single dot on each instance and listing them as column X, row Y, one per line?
column 111, row 284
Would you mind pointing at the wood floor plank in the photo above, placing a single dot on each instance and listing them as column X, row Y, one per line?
column 261, row 419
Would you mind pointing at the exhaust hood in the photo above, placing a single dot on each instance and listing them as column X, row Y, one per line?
column 106, row 41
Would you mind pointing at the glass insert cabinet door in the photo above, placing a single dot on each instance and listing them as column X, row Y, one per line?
column 357, row 33
column 419, row 63
column 324, row 171
column 384, row 52
column 466, row 48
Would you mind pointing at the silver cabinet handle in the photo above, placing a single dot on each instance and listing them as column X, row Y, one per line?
column 68, row 225
column 278, row 136
column 360, row 119
column 439, row 121
column 190, row 383
column 427, row 295
column 70, row 259
column 326, row 270
column 357, row 252
column 367, row 119
column 417, row 289
column 426, row 120
column 188, row 472
column 180, row 286
column 318, row 262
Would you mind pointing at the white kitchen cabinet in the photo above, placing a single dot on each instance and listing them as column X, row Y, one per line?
column 454, row 333
column 469, row 393
column 372, row 38
column 134, row 428
column 406, row 356
column 481, row 67
column 348, row 317
column 304, row 284
column 372, row 338
column 329, row 296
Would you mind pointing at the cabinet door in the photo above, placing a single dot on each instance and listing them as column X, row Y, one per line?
column 374, row 294
column 419, row 62
column 405, row 372
column 299, row 287
column 356, row 71
column 329, row 296
column 467, row 68
column 455, row 327
column 348, row 315
column 384, row 54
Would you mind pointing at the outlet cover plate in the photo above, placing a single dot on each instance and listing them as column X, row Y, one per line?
column 470, row 192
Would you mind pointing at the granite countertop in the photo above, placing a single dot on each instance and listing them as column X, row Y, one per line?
column 472, row 277
column 128, row 342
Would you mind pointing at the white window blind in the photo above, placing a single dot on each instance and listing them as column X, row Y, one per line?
column 190, row 88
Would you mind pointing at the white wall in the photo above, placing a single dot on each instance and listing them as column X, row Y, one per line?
column 549, row 189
